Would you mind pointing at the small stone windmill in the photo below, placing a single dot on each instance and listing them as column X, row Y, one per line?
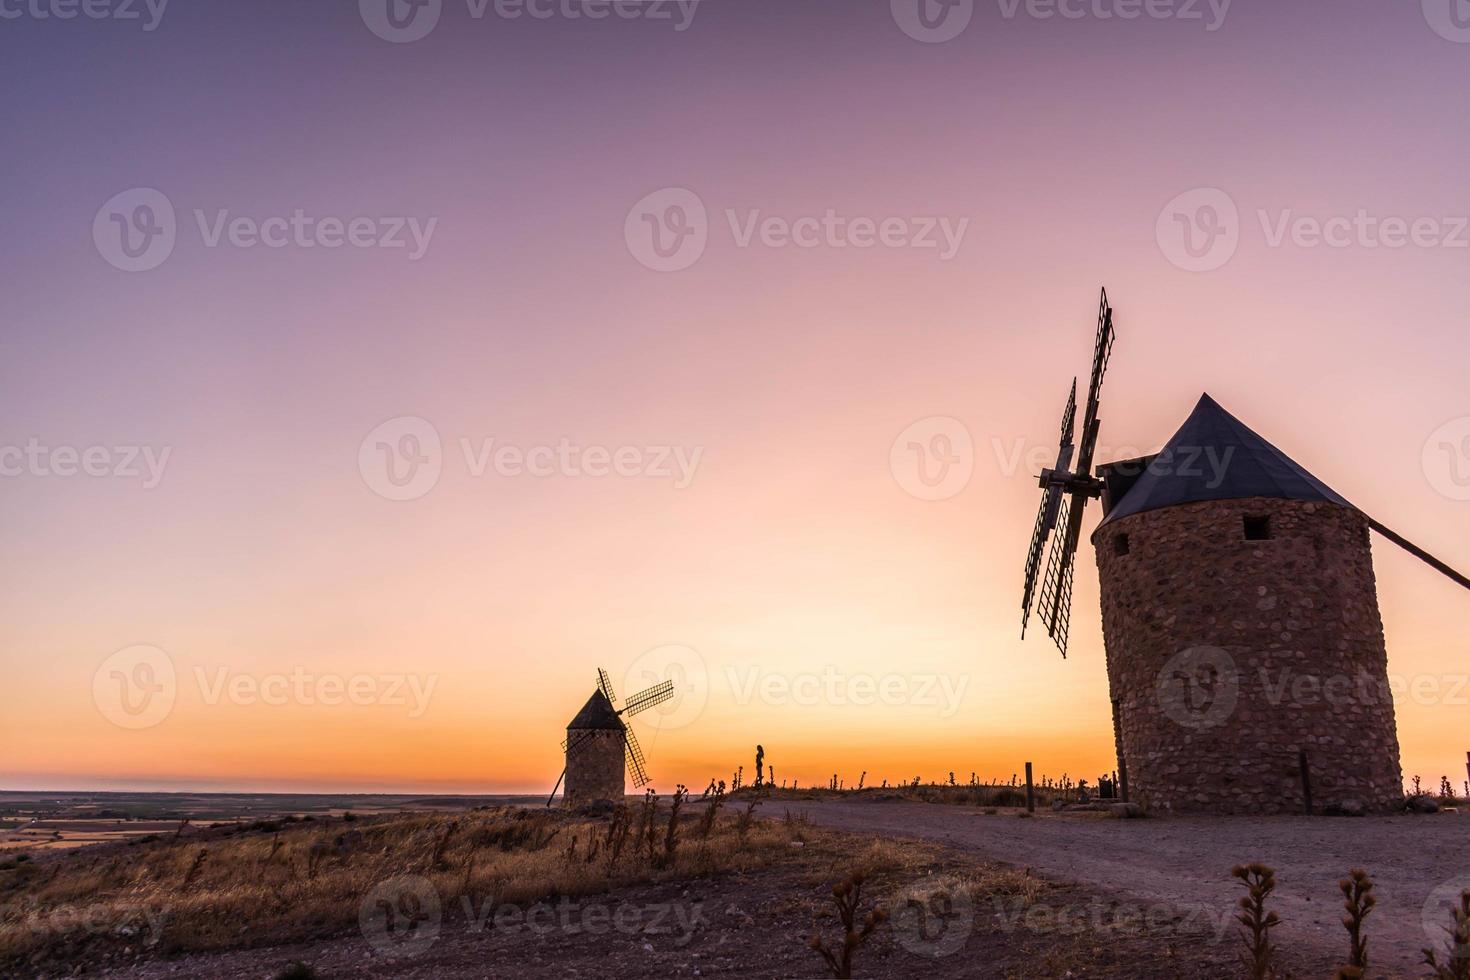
column 600, row 746
column 1245, row 651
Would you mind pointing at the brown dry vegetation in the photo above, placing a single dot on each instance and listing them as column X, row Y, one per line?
column 977, row 796
column 264, row 886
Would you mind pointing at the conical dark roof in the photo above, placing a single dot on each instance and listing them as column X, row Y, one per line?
column 1215, row 456
column 597, row 713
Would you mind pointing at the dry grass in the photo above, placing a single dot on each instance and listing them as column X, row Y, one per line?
column 976, row 796
column 263, row 887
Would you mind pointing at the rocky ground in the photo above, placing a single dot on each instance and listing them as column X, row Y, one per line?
column 972, row 893
column 1418, row 862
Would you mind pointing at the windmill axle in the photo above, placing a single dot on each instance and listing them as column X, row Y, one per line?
column 1070, row 482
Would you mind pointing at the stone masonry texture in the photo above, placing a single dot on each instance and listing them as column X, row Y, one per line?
column 1227, row 656
column 595, row 768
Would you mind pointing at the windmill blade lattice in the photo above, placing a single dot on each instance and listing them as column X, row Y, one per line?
column 1066, row 491
column 636, row 770
column 1051, row 501
column 604, row 684
column 652, row 697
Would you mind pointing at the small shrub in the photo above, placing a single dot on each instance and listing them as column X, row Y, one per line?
column 746, row 819
column 1358, row 901
column 1260, row 882
column 1458, row 967
column 707, row 822
column 671, row 836
column 846, row 896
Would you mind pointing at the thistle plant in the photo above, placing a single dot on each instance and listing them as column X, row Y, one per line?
column 746, row 819
column 847, row 895
column 671, row 836
column 707, row 822
column 1458, row 967
column 1260, row 882
column 1358, row 901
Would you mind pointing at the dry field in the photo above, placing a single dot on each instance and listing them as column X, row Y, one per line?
column 502, row 890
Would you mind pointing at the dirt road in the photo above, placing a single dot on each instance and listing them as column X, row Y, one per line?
column 1186, row 862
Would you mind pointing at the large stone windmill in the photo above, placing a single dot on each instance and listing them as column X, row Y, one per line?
column 1245, row 650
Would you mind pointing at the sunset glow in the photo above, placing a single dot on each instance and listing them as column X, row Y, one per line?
column 694, row 473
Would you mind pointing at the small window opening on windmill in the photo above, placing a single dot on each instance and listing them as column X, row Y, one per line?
column 1257, row 527
column 1120, row 544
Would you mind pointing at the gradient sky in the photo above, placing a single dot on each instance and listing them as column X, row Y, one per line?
column 796, row 549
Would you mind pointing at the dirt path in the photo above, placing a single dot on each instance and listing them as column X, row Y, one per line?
column 1185, row 862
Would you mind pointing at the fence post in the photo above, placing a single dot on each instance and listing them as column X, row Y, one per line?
column 1030, row 791
column 1301, row 759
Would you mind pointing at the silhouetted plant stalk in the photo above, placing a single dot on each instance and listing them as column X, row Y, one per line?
column 1358, row 901
column 671, row 836
column 436, row 860
column 846, row 896
column 746, row 819
column 617, row 834
column 1260, row 882
column 195, row 868
column 1458, row 967
column 707, row 822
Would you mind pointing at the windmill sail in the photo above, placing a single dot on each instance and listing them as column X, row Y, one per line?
column 1065, row 493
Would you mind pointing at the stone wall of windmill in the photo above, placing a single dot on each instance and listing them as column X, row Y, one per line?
column 1240, row 633
column 595, row 766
